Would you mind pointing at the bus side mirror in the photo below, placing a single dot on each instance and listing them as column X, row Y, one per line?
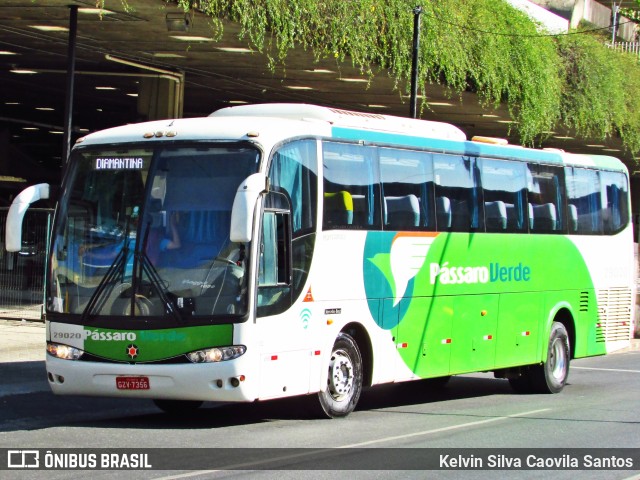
column 19, row 206
column 244, row 205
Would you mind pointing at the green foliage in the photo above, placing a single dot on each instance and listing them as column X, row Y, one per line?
column 485, row 46
column 495, row 50
column 630, row 13
column 600, row 97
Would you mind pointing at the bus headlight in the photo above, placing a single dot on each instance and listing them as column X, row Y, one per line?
column 64, row 352
column 216, row 354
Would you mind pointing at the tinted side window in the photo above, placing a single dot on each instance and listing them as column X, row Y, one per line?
column 504, row 186
column 408, row 190
column 294, row 170
column 351, row 191
column 274, row 260
column 615, row 201
column 546, row 198
column 584, row 201
column 457, row 194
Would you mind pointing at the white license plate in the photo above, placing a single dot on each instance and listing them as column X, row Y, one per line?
column 132, row 383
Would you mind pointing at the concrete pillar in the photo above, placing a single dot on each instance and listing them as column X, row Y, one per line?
column 578, row 14
column 157, row 98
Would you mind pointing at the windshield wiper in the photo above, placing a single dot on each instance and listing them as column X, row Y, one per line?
column 147, row 267
column 115, row 269
column 109, row 279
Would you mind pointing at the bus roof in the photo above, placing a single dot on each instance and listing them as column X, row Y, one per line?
column 346, row 118
column 256, row 122
column 389, row 129
column 259, row 130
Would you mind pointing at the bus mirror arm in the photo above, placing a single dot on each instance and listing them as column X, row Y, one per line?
column 19, row 206
column 244, row 205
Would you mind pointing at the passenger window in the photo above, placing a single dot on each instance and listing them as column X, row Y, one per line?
column 615, row 201
column 294, row 170
column 504, row 186
column 457, row 193
column 584, row 201
column 545, row 198
column 407, row 187
column 351, row 191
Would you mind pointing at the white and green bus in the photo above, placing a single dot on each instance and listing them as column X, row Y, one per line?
column 275, row 250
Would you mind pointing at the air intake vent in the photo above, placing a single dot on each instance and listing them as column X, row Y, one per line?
column 584, row 301
column 614, row 314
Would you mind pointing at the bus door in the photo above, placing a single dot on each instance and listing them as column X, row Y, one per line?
column 282, row 337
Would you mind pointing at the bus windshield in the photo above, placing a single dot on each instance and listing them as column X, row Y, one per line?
column 144, row 232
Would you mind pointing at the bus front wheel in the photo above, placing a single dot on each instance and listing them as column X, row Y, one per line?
column 344, row 378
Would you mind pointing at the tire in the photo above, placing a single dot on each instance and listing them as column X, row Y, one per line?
column 344, row 378
column 178, row 407
column 552, row 375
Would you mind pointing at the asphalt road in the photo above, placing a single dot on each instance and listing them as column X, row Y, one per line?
column 599, row 409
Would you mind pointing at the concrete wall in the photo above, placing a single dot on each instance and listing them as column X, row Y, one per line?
column 563, row 8
column 595, row 13
column 548, row 21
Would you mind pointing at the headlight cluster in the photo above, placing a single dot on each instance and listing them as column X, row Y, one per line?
column 217, row 354
column 64, row 352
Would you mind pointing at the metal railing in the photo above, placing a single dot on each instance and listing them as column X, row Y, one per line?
column 22, row 273
column 629, row 47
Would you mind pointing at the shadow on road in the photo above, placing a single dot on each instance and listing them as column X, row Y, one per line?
column 41, row 409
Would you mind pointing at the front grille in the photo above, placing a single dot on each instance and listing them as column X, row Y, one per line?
column 88, row 357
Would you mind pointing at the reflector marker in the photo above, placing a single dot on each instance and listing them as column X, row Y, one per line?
column 446, row 341
column 402, row 345
column 526, row 333
column 488, row 337
column 274, row 357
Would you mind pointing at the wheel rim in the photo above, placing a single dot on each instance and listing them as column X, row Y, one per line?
column 340, row 375
column 558, row 360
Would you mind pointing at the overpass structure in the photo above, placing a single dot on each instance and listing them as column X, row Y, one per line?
column 153, row 60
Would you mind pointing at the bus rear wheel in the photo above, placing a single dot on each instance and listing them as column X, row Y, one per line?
column 344, row 378
column 552, row 375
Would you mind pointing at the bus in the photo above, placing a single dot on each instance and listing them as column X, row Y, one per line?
column 275, row 250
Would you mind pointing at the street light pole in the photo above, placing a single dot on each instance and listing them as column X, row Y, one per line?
column 615, row 9
column 71, row 66
column 417, row 11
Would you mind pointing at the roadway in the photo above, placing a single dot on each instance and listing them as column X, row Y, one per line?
column 599, row 409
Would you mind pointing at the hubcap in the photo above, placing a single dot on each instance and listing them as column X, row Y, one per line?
column 558, row 360
column 340, row 375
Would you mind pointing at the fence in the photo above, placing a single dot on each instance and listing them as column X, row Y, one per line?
column 629, row 47
column 22, row 273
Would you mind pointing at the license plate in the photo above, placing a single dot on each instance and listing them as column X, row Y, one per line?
column 132, row 383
